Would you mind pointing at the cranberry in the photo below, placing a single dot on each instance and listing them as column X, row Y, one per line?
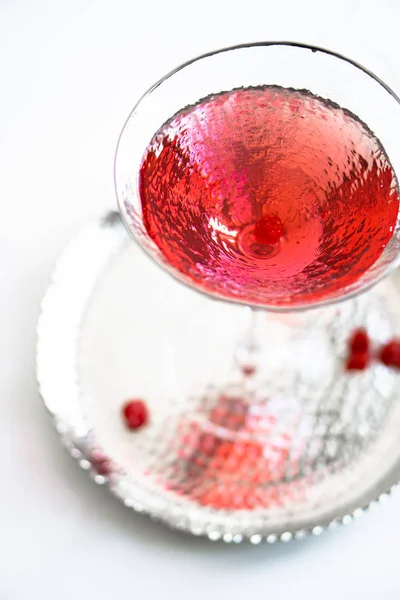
column 268, row 230
column 357, row 361
column 101, row 463
column 390, row 354
column 248, row 370
column 102, row 468
column 359, row 341
column 135, row 413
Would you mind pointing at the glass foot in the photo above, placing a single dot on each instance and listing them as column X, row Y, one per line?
column 264, row 444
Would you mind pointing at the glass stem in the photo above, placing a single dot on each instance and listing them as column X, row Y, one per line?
column 247, row 353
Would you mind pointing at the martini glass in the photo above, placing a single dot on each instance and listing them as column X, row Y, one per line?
column 265, row 175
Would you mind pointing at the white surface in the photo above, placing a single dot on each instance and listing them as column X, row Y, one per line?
column 70, row 72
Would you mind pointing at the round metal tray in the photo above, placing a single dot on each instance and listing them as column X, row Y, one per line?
column 113, row 326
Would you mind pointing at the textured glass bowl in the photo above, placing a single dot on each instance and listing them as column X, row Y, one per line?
column 326, row 74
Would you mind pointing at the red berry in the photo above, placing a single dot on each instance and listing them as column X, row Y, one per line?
column 390, row 354
column 359, row 341
column 135, row 413
column 357, row 361
column 269, row 230
column 248, row 370
column 103, row 468
column 101, row 463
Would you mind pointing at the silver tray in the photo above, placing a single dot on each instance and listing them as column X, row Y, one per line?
column 113, row 326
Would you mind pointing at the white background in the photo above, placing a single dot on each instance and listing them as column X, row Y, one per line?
column 70, row 71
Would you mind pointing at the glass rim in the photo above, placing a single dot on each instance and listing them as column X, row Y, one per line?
column 302, row 306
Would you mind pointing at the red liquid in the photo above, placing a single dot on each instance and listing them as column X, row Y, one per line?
column 268, row 195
